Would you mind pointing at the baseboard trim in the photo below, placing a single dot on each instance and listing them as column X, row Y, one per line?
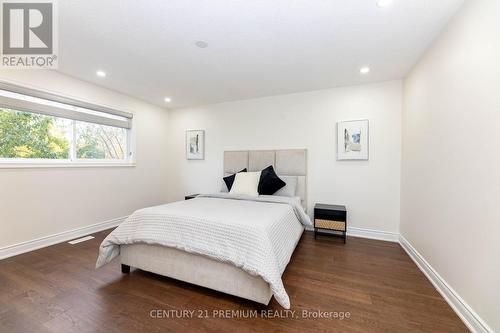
column 470, row 318
column 368, row 233
column 35, row 244
column 373, row 234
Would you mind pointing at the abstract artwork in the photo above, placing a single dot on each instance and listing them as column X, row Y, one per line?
column 352, row 140
column 195, row 145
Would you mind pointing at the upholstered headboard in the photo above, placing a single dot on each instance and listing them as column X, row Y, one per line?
column 289, row 162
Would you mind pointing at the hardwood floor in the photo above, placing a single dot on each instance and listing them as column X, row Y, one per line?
column 57, row 289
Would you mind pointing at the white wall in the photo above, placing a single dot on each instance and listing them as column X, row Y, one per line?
column 370, row 189
column 41, row 202
column 451, row 157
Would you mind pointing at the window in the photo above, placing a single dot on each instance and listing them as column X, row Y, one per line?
column 58, row 130
column 33, row 136
column 95, row 141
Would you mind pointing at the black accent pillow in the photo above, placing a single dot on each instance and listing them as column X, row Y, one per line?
column 269, row 182
column 229, row 180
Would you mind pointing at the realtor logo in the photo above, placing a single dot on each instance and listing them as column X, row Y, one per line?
column 29, row 34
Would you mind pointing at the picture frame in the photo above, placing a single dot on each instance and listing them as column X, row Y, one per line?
column 353, row 140
column 195, row 144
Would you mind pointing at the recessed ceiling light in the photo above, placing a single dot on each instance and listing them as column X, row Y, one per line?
column 384, row 3
column 167, row 99
column 101, row 73
column 364, row 70
column 201, row 44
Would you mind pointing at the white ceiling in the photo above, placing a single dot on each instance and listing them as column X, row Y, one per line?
column 255, row 47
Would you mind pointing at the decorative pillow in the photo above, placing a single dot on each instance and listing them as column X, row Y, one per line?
column 269, row 181
column 246, row 183
column 229, row 180
column 291, row 186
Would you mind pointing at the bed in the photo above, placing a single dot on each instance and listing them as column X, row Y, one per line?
column 233, row 244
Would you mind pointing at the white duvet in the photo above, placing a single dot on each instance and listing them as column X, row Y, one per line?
column 257, row 234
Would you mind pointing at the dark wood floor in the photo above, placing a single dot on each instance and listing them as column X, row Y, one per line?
column 56, row 289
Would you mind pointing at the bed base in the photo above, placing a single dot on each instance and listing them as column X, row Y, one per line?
column 195, row 269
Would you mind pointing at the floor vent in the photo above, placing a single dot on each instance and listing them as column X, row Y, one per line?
column 79, row 240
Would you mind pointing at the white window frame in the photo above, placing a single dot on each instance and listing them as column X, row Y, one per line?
column 72, row 161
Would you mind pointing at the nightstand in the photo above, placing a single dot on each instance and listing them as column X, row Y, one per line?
column 330, row 217
column 191, row 196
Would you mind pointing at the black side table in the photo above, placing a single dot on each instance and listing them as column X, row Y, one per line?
column 330, row 217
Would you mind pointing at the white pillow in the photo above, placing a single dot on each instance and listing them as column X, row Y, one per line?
column 246, row 183
column 290, row 188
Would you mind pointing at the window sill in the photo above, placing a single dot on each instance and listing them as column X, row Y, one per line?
column 38, row 165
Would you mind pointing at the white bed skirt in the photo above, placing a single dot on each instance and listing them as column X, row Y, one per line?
column 196, row 269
